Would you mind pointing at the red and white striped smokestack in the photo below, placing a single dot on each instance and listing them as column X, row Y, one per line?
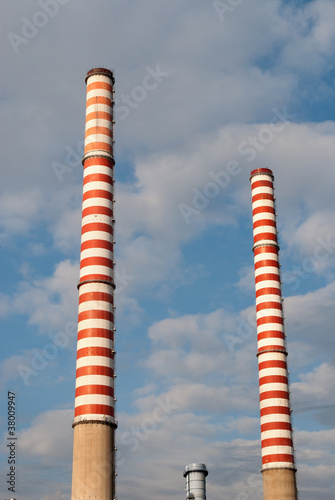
column 278, row 468
column 94, row 424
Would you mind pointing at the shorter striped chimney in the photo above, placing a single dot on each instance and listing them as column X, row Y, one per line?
column 278, row 467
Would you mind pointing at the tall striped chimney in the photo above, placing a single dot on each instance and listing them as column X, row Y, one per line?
column 93, row 474
column 278, row 468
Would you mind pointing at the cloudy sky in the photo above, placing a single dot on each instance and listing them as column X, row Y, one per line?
column 206, row 91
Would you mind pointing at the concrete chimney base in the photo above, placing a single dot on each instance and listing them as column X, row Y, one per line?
column 93, row 462
column 279, row 484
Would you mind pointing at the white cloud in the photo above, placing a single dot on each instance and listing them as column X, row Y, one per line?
column 49, row 302
column 313, row 38
column 20, row 210
column 245, row 425
column 151, row 226
column 66, row 230
column 247, row 279
column 309, row 318
column 217, row 399
column 315, row 391
column 315, row 461
column 224, row 81
column 45, row 447
column 202, row 330
column 312, row 243
column 240, row 91
column 8, row 369
column 190, row 443
column 4, row 304
column 51, row 447
column 130, row 309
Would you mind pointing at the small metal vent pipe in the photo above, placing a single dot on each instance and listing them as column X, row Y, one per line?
column 195, row 475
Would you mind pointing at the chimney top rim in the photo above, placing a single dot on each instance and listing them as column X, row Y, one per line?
column 100, row 71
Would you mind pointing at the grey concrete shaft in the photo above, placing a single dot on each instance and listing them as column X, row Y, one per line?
column 279, row 484
column 93, row 474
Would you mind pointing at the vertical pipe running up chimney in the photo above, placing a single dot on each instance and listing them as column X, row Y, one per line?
column 195, row 475
column 93, row 474
column 278, row 468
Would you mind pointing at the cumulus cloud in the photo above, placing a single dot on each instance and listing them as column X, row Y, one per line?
column 190, row 346
column 49, row 302
column 247, row 279
column 4, row 304
column 176, row 197
column 9, row 369
column 314, row 36
column 49, row 446
column 315, row 460
column 20, row 210
column 309, row 313
column 46, row 446
column 192, row 434
column 315, row 392
column 312, row 244
column 225, row 83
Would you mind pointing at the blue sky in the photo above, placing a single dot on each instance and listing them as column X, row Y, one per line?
column 206, row 92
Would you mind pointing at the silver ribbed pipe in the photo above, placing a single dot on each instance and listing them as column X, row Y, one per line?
column 195, row 475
